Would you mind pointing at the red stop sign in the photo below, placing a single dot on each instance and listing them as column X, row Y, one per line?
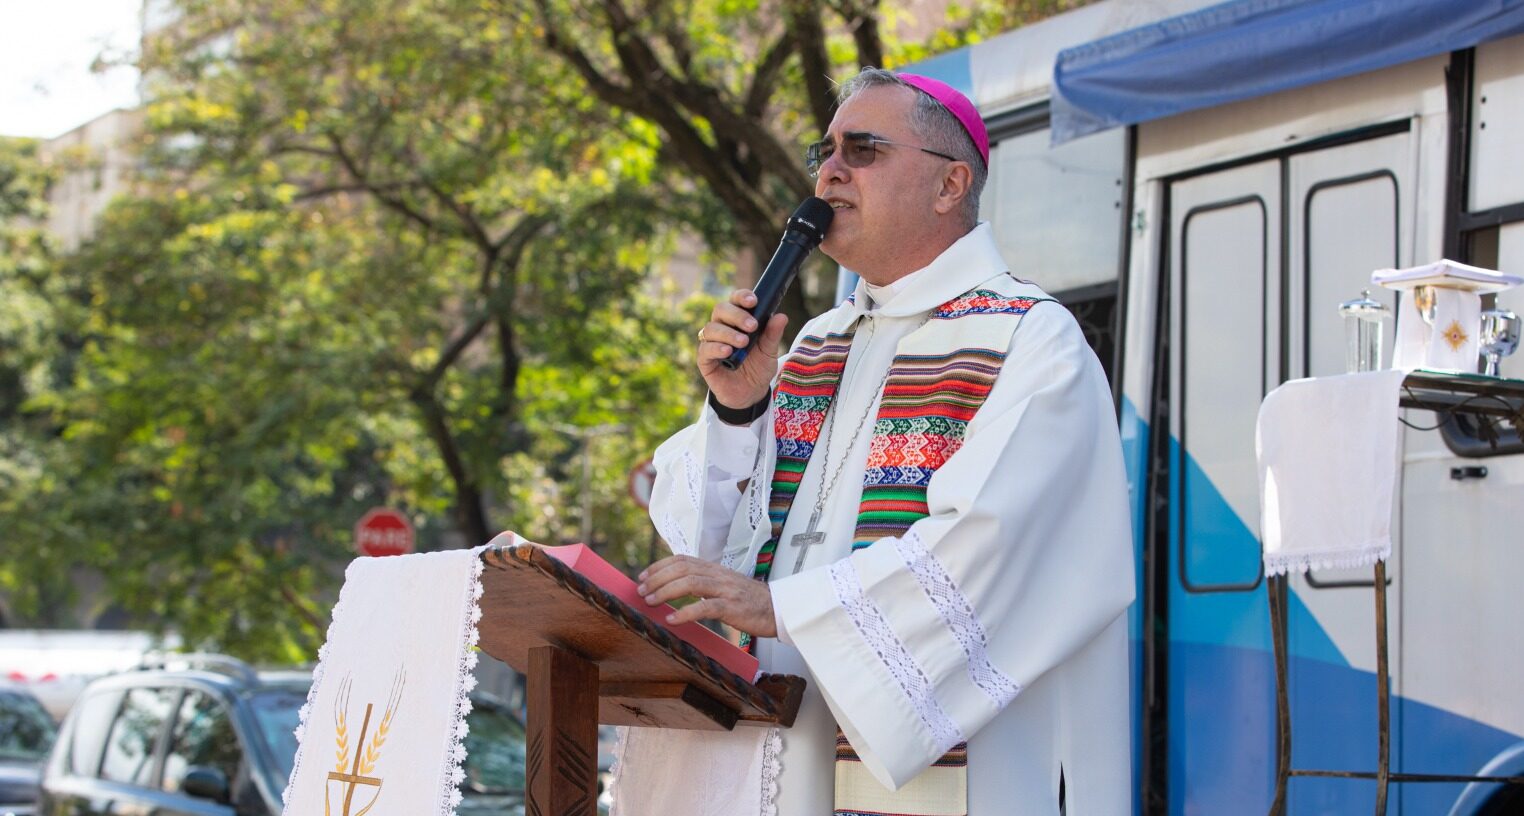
column 383, row 531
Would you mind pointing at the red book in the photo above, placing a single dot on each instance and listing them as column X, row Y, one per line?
column 608, row 578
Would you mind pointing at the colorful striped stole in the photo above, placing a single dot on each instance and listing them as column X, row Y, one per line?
column 941, row 374
column 806, row 386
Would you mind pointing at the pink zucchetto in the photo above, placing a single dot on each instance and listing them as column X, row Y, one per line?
column 958, row 105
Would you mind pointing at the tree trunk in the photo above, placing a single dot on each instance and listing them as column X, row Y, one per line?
column 470, row 510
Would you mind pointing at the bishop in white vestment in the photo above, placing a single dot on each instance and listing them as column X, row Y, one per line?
column 934, row 495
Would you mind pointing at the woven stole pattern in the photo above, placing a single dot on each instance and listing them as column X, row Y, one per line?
column 936, row 384
column 805, row 389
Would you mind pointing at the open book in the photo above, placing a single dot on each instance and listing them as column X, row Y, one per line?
column 608, row 578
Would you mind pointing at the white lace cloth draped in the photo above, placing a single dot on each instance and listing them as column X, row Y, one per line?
column 386, row 715
column 1328, row 451
column 658, row 771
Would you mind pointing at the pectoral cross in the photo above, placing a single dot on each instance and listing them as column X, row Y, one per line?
column 807, row 539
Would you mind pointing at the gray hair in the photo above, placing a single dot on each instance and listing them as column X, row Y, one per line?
column 933, row 123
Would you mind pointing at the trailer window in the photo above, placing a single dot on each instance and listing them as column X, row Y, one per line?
column 1057, row 211
column 1486, row 204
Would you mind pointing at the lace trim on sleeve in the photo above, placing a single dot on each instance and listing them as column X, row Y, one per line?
column 672, row 532
column 958, row 614
column 757, row 493
column 738, row 558
column 907, row 672
column 693, row 476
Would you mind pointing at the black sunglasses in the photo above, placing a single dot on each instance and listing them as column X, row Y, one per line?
column 858, row 151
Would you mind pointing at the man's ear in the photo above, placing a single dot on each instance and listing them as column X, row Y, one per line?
column 957, row 182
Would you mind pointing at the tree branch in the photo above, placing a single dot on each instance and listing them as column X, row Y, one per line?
column 605, row 88
column 379, row 191
column 640, row 60
column 809, row 33
column 334, row 189
column 304, row 610
column 451, row 352
column 765, row 80
column 468, row 220
column 863, row 21
column 470, row 511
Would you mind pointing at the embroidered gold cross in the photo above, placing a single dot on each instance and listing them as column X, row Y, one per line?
column 366, row 755
column 353, row 779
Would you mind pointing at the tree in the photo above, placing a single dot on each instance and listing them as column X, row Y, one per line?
column 447, row 120
column 736, row 87
column 390, row 254
column 291, row 320
column 35, row 355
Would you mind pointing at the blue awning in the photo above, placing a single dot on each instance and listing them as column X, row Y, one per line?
column 1248, row 48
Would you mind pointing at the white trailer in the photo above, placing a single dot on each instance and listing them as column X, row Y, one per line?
column 1221, row 179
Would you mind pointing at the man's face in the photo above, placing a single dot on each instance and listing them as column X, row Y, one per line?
column 883, row 212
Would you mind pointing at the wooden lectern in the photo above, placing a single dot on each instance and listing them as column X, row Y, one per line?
column 591, row 658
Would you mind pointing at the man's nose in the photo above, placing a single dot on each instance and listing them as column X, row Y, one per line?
column 832, row 171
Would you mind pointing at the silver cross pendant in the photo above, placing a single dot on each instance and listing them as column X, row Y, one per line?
column 807, row 539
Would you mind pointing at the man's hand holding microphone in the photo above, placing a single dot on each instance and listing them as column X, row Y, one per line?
column 737, row 356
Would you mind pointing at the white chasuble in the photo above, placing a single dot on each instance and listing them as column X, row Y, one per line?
column 999, row 618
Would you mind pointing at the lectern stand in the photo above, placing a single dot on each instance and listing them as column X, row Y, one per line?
column 591, row 658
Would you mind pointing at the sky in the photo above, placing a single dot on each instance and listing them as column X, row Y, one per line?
column 46, row 47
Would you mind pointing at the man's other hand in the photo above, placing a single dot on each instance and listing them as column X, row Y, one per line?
column 724, row 595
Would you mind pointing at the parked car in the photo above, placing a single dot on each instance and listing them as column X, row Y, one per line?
column 205, row 742
column 27, row 732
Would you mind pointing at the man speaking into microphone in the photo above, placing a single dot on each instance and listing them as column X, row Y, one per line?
column 920, row 508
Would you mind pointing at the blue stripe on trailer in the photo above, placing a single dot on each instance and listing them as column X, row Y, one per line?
column 1222, row 700
column 1249, row 48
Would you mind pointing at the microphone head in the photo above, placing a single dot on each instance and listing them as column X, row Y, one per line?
column 813, row 218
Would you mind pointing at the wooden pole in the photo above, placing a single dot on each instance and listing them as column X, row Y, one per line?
column 1275, row 587
column 563, row 733
column 1383, row 695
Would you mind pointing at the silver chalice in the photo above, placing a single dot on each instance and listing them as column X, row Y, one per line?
column 1499, row 337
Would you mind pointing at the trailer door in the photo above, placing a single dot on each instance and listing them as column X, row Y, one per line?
column 1350, row 211
column 1259, row 258
column 1224, row 250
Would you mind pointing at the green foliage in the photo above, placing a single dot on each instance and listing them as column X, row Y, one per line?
column 32, row 359
column 395, row 253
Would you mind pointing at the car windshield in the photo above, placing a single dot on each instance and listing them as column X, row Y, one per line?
column 278, row 710
column 494, row 742
column 26, row 730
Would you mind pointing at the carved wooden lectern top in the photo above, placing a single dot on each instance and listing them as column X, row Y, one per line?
column 579, row 644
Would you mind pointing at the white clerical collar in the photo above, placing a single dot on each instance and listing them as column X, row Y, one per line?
column 970, row 260
column 881, row 295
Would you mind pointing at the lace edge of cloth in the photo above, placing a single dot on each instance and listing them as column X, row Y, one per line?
column 465, row 682
column 772, row 765
column 1282, row 563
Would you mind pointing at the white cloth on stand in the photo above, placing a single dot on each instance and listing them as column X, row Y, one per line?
column 385, row 721
column 1328, row 451
column 713, row 770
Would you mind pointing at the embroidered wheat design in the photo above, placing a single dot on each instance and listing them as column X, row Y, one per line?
column 341, row 727
column 378, row 739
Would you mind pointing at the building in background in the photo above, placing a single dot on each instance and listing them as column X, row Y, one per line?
column 97, row 161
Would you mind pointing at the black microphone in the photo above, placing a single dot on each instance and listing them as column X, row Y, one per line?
column 805, row 230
